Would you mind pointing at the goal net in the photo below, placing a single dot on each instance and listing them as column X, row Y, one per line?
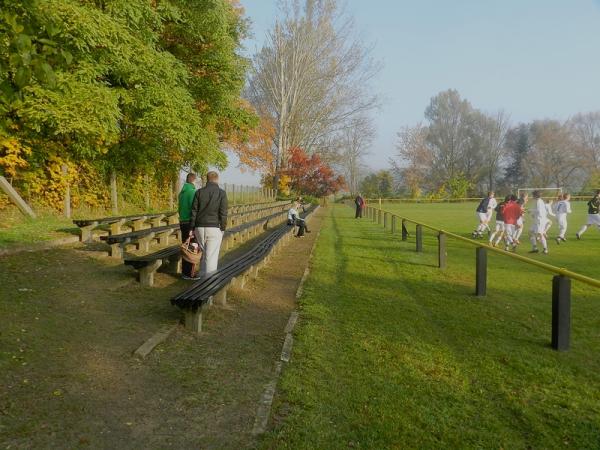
column 547, row 193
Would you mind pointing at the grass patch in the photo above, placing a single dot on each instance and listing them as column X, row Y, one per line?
column 391, row 352
column 16, row 229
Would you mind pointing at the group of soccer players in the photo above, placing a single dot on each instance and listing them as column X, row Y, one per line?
column 510, row 219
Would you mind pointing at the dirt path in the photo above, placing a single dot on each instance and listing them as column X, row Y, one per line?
column 69, row 321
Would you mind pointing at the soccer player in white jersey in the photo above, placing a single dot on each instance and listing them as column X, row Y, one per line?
column 484, row 211
column 593, row 214
column 500, row 228
column 539, row 216
column 550, row 208
column 563, row 207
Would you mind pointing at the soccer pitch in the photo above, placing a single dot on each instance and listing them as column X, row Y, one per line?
column 392, row 352
column 579, row 256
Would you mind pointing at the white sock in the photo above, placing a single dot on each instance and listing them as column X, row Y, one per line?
column 533, row 240
column 583, row 229
column 543, row 241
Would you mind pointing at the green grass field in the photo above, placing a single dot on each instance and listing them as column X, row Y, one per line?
column 579, row 256
column 392, row 352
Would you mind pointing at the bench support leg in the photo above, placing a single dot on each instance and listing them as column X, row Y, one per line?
column 115, row 228
column 220, row 298
column 193, row 320
column 116, row 251
column 85, row 233
column 147, row 273
column 175, row 265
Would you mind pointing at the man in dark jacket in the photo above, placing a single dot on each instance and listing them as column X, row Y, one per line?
column 186, row 198
column 209, row 220
column 359, row 201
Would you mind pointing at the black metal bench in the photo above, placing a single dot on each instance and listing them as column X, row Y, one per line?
column 234, row 274
column 147, row 265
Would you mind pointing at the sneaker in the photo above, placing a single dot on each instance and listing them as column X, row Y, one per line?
column 558, row 240
column 306, row 231
column 535, row 250
column 506, row 248
column 514, row 248
column 518, row 242
column 578, row 236
column 545, row 252
column 563, row 239
column 185, row 277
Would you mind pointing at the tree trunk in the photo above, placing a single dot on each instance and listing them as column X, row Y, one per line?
column 171, row 195
column 146, row 192
column 114, row 199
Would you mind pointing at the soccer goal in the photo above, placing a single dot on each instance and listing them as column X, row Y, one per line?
column 547, row 193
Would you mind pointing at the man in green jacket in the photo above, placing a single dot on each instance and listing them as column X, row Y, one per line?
column 186, row 198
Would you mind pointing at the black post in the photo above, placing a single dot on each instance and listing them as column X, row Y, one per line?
column 480, row 271
column 442, row 250
column 419, row 238
column 385, row 220
column 561, row 312
column 404, row 230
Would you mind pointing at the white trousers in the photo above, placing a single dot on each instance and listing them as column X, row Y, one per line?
column 562, row 224
column 209, row 239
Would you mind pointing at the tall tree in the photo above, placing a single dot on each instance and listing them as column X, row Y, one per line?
column 355, row 142
column 493, row 129
column 451, row 137
column 414, row 159
column 312, row 76
column 518, row 143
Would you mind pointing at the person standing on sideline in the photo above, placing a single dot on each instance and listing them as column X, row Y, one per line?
column 208, row 221
column 359, row 201
column 593, row 214
column 186, row 198
column 563, row 207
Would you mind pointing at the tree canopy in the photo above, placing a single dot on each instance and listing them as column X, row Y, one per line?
column 121, row 85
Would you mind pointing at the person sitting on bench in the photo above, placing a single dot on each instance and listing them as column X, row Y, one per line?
column 294, row 219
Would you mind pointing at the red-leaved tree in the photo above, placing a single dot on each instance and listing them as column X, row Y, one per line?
column 309, row 175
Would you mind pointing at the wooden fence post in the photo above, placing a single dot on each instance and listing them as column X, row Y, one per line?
column 480, row 271
column 67, row 206
column 561, row 312
column 385, row 220
column 393, row 224
column 442, row 250
column 419, row 238
column 404, row 230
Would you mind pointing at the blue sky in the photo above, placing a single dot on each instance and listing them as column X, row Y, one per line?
column 533, row 58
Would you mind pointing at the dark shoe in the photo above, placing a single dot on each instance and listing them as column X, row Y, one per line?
column 197, row 277
column 558, row 240
column 535, row 250
column 578, row 237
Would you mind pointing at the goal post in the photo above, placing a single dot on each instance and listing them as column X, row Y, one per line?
column 547, row 193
